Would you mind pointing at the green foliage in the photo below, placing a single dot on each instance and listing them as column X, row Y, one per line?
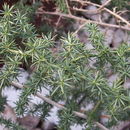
column 29, row 10
column 42, row 110
column 2, row 103
column 10, row 125
column 62, row 5
column 120, row 3
column 68, row 74
column 66, row 119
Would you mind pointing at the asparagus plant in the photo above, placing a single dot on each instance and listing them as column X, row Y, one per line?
column 73, row 74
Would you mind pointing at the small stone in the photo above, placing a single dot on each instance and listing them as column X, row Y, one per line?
column 29, row 122
column 118, row 37
column 95, row 17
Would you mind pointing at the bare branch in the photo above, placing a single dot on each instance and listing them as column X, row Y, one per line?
column 101, row 126
column 84, row 20
column 102, row 6
column 18, row 85
column 68, row 6
column 95, row 11
column 80, row 27
column 107, row 10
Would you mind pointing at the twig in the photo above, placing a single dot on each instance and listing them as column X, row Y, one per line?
column 85, row 20
column 48, row 100
column 101, row 126
column 34, row 1
column 18, row 85
column 95, row 11
column 81, row 2
column 112, row 13
column 107, row 10
column 123, row 12
column 68, row 6
column 57, row 23
column 102, row 6
column 126, row 125
column 80, row 27
column 117, row 16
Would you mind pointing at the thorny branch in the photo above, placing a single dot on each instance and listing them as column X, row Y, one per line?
column 48, row 100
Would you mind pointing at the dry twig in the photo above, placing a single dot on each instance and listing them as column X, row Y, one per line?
column 106, row 3
column 84, row 20
column 101, row 126
column 87, row 11
column 80, row 27
column 107, row 10
column 67, row 4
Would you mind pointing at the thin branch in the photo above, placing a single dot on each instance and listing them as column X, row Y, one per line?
column 48, row 100
column 18, row 85
column 57, row 23
column 95, row 11
column 80, row 27
column 107, row 10
column 79, row 114
column 81, row 2
column 105, row 4
column 68, row 6
column 85, row 20
column 117, row 16
column 122, row 12
column 101, row 126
